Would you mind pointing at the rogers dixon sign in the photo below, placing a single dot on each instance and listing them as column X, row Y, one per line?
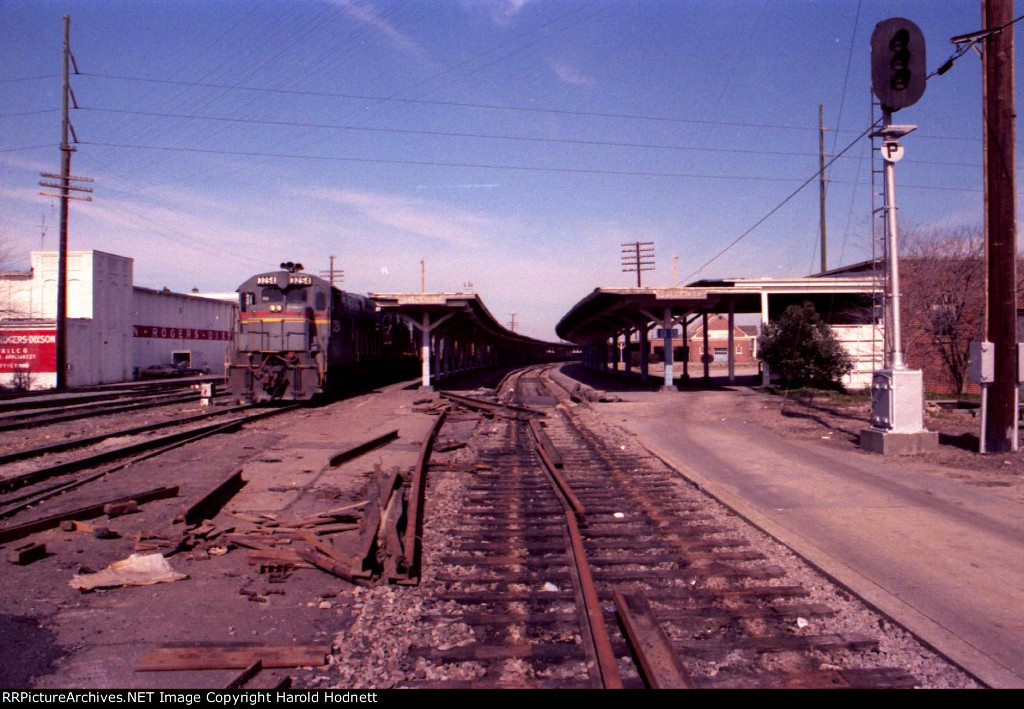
column 28, row 350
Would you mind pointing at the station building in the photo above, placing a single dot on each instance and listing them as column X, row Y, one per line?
column 115, row 329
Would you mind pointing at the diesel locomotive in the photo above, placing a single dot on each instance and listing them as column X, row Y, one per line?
column 298, row 336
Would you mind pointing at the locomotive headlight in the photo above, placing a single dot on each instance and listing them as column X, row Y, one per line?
column 275, row 308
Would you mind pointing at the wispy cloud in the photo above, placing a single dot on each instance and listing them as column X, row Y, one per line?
column 366, row 14
column 569, row 75
column 500, row 11
column 418, row 217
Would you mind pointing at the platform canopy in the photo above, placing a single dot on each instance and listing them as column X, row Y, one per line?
column 608, row 310
column 458, row 332
column 455, row 314
column 607, row 319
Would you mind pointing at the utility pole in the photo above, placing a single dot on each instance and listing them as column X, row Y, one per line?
column 333, row 274
column 423, row 275
column 65, row 187
column 821, row 183
column 512, row 323
column 1001, row 232
column 638, row 256
column 62, row 252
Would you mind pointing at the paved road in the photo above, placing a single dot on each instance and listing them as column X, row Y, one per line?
column 944, row 558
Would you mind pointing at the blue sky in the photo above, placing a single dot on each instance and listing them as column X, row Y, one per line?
column 511, row 144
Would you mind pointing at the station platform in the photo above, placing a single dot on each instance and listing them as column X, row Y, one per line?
column 943, row 558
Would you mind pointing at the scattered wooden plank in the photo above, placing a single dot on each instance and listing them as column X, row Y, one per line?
column 275, row 557
column 232, row 657
column 325, row 529
column 82, row 513
column 328, row 550
column 247, row 674
column 343, row 511
column 326, row 563
column 245, row 517
column 27, row 553
column 210, row 504
column 116, row 509
column 389, row 541
column 659, row 663
column 367, row 541
column 266, row 680
column 362, row 449
column 250, row 541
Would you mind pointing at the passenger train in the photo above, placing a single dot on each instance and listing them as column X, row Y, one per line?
column 298, row 336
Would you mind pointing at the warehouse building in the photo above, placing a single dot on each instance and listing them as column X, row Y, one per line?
column 115, row 329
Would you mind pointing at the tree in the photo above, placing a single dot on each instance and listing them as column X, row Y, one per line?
column 943, row 294
column 801, row 348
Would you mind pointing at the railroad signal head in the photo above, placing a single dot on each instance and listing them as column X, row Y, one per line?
column 898, row 74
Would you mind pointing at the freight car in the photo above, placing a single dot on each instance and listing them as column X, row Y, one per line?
column 297, row 336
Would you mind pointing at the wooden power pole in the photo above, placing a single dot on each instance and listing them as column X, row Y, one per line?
column 821, row 185
column 1001, row 234
column 65, row 179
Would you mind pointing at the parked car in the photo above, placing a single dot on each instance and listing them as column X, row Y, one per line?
column 161, row 371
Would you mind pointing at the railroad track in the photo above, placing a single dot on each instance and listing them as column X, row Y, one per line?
column 43, row 411
column 576, row 562
column 23, row 491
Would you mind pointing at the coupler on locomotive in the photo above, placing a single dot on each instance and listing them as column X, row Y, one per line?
column 275, row 376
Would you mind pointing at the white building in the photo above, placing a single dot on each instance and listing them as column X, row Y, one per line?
column 115, row 329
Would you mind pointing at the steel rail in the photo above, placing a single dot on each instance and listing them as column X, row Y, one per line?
column 99, row 438
column 493, row 406
column 18, row 481
column 568, row 495
column 412, row 541
column 659, row 663
column 607, row 665
column 47, row 399
column 8, row 534
column 34, row 498
column 36, row 418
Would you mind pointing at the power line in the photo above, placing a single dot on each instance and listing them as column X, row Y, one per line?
column 30, row 78
column 489, row 106
column 780, row 205
column 29, row 113
column 29, row 147
column 445, row 134
column 428, row 163
column 485, row 136
column 456, row 104
column 496, row 166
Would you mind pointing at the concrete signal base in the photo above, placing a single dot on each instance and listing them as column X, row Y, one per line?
column 877, row 440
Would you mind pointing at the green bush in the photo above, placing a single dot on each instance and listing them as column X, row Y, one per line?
column 802, row 350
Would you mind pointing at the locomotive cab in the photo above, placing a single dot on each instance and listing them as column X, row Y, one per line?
column 281, row 337
column 297, row 336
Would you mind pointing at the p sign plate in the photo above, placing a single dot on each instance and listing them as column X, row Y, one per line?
column 892, row 150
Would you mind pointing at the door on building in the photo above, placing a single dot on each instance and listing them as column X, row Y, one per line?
column 181, row 359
